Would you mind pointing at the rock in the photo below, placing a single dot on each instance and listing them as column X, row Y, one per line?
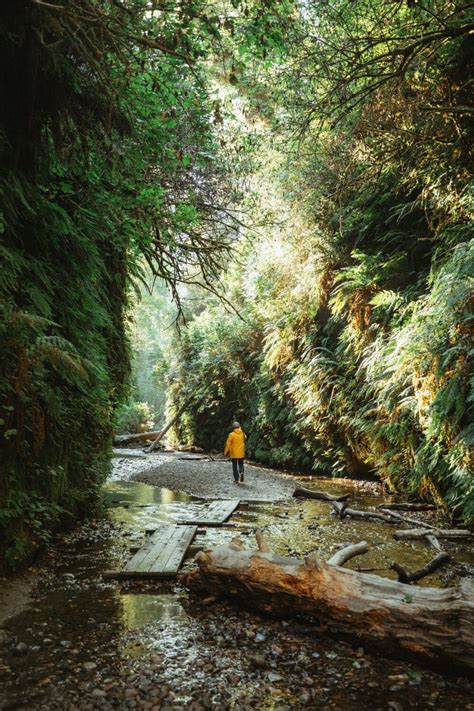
column 89, row 666
column 20, row 649
column 272, row 676
column 131, row 693
column 99, row 694
column 258, row 660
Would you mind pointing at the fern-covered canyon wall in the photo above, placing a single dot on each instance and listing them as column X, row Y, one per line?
column 351, row 352
column 108, row 163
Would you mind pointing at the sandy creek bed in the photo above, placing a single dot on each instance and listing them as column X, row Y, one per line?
column 82, row 642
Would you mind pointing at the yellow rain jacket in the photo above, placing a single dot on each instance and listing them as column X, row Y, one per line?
column 235, row 445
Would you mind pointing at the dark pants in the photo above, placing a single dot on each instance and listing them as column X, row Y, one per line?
column 238, row 466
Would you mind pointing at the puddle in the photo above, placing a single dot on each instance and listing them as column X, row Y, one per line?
column 139, row 610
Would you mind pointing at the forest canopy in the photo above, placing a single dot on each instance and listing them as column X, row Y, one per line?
column 308, row 165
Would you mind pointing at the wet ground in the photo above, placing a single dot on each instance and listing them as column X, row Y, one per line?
column 84, row 642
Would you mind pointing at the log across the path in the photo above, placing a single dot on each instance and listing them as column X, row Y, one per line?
column 122, row 440
column 434, row 625
column 302, row 493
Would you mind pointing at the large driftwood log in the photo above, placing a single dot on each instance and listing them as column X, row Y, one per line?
column 428, row 623
column 303, row 493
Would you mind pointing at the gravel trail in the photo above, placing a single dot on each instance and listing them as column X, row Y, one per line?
column 202, row 477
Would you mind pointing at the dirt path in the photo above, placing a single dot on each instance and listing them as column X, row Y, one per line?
column 203, row 477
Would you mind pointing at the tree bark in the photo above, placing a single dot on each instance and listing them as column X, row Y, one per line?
column 433, row 625
column 303, row 493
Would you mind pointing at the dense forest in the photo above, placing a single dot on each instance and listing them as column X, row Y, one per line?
column 297, row 176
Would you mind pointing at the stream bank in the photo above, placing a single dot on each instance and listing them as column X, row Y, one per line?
column 88, row 643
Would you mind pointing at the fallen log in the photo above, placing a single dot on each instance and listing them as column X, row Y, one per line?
column 343, row 510
column 348, row 552
column 122, row 440
column 303, row 493
column 405, row 577
column 409, row 507
column 406, row 519
column 433, row 625
column 413, row 534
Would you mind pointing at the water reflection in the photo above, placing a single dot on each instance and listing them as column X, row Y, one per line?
column 139, row 610
column 134, row 492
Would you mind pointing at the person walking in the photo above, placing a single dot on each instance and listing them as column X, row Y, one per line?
column 235, row 449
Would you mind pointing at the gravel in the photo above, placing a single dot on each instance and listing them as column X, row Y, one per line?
column 204, row 478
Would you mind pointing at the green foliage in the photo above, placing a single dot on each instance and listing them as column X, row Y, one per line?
column 109, row 161
column 356, row 353
column 133, row 416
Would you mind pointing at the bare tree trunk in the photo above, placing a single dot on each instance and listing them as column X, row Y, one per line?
column 436, row 626
column 170, row 424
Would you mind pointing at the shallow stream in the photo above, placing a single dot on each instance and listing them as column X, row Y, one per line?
column 85, row 642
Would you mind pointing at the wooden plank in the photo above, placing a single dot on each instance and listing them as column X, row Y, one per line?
column 213, row 514
column 176, row 558
column 160, row 537
column 174, row 550
column 161, row 556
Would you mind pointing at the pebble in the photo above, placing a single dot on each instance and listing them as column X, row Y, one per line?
column 89, row 666
column 272, row 676
column 20, row 649
column 99, row 693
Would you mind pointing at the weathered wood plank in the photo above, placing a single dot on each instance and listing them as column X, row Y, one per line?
column 170, row 556
column 161, row 556
column 213, row 514
column 159, row 538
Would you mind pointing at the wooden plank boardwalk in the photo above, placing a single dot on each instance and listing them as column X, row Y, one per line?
column 161, row 555
column 213, row 514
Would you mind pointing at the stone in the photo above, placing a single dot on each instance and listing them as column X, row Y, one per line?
column 257, row 660
column 20, row 649
column 273, row 676
column 89, row 666
column 99, row 694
